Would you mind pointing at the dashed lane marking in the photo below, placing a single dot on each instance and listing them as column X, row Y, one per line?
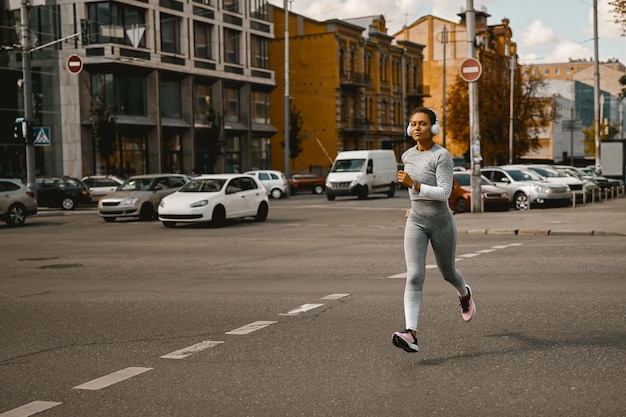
column 252, row 327
column 190, row 350
column 334, row 296
column 113, row 378
column 302, row 309
column 462, row 257
column 30, row 409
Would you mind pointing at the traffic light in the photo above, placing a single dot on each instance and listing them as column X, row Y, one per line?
column 18, row 129
column 37, row 104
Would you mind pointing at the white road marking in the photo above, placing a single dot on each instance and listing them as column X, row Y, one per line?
column 113, row 378
column 334, row 296
column 190, row 350
column 302, row 309
column 30, row 409
column 462, row 257
column 252, row 327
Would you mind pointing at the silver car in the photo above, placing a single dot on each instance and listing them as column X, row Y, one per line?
column 139, row 196
column 16, row 202
column 525, row 187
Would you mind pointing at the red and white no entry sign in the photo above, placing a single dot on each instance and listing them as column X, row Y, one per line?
column 471, row 69
column 74, row 64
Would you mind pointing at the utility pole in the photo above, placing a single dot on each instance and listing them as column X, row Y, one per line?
column 28, row 94
column 596, row 88
column 445, row 41
column 470, row 19
column 511, row 106
column 287, row 93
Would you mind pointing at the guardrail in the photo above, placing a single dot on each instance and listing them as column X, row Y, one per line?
column 603, row 194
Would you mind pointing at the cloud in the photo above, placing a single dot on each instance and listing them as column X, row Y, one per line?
column 607, row 28
column 565, row 49
column 537, row 34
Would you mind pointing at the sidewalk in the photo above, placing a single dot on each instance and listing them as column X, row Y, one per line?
column 605, row 218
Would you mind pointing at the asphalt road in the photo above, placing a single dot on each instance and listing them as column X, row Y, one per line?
column 294, row 316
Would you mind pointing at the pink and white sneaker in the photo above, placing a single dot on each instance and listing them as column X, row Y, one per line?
column 405, row 340
column 468, row 308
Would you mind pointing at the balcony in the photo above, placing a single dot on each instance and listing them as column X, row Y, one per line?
column 418, row 91
column 354, row 80
column 355, row 126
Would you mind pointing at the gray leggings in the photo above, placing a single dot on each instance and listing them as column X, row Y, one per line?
column 428, row 221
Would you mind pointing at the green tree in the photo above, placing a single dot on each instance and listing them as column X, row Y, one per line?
column 530, row 113
column 103, row 120
column 607, row 132
column 622, row 82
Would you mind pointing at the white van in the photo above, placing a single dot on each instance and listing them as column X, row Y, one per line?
column 359, row 173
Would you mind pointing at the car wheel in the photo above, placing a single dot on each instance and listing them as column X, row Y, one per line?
column 68, row 203
column 276, row 193
column 169, row 224
column 521, row 201
column 219, row 216
column 392, row 190
column 16, row 216
column 146, row 212
column 109, row 219
column 318, row 189
column 261, row 213
column 460, row 205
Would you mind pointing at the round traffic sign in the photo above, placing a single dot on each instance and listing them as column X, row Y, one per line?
column 74, row 64
column 471, row 69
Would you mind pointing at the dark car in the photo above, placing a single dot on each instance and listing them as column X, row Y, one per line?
column 65, row 192
column 307, row 183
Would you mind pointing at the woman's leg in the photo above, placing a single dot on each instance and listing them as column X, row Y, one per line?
column 415, row 247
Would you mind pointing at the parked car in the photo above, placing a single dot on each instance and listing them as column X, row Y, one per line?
column 553, row 175
column 16, row 202
column 590, row 187
column 101, row 185
column 274, row 181
column 139, row 196
column 601, row 180
column 215, row 198
column 460, row 201
column 307, row 182
column 527, row 187
column 65, row 192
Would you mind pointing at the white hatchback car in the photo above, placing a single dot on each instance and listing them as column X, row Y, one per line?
column 215, row 198
column 274, row 181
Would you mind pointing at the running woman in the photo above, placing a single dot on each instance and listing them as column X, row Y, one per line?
column 427, row 173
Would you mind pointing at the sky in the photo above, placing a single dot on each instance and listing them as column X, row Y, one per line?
column 546, row 31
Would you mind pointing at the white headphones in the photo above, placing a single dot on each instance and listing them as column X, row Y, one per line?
column 435, row 128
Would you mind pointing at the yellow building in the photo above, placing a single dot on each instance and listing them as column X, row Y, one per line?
column 351, row 83
column 446, row 48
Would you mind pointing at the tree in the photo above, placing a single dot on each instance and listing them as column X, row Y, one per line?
column 607, row 132
column 295, row 138
column 619, row 13
column 530, row 113
column 622, row 82
column 103, row 119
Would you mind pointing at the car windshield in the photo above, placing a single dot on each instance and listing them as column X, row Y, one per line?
column 520, row 175
column 136, row 184
column 205, row 185
column 545, row 172
column 348, row 165
column 464, row 180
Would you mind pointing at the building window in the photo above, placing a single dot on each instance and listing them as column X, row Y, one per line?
column 258, row 9
column 260, row 153
column 231, row 46
column 557, row 71
column 202, row 40
column 170, row 33
column 108, row 22
column 232, row 154
column 231, row 104
column 126, row 93
column 170, row 100
column 231, row 5
column 260, row 107
column 202, row 102
column 259, row 51
column 546, row 71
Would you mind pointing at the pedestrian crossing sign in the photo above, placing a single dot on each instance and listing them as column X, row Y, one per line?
column 42, row 136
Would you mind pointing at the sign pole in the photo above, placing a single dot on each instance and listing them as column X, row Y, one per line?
column 476, row 159
column 28, row 94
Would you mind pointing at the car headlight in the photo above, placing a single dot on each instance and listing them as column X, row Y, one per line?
column 540, row 188
column 129, row 201
column 200, row 203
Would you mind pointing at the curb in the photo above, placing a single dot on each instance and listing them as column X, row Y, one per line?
column 523, row 232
